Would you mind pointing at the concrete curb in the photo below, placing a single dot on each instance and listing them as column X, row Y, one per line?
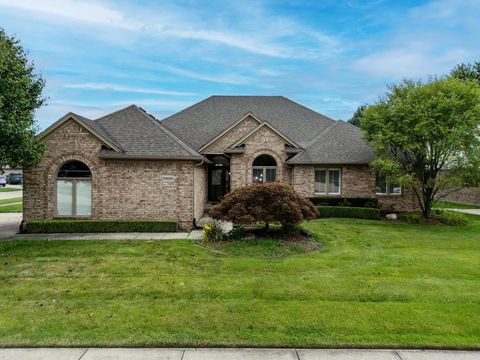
column 230, row 354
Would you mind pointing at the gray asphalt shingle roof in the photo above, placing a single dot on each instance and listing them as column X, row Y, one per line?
column 139, row 134
column 341, row 143
column 202, row 122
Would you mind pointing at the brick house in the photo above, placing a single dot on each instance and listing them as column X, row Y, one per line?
column 129, row 165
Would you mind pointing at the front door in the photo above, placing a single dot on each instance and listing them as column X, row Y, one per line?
column 218, row 182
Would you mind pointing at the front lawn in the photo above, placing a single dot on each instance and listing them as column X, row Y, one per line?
column 373, row 284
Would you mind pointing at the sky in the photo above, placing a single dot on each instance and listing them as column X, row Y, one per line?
column 329, row 55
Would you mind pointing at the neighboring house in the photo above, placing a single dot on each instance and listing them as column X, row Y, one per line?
column 129, row 165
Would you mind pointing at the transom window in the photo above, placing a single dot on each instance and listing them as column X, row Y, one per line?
column 382, row 187
column 264, row 169
column 74, row 189
column 327, row 181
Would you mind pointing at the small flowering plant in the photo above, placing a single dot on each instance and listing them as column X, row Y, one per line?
column 213, row 232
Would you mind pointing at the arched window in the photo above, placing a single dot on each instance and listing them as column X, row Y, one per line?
column 264, row 169
column 74, row 189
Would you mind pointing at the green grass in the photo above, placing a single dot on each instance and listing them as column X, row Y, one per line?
column 374, row 284
column 5, row 189
column 453, row 205
column 13, row 208
column 12, row 200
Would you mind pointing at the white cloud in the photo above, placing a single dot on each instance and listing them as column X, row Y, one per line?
column 74, row 10
column 123, row 88
column 280, row 37
column 233, row 79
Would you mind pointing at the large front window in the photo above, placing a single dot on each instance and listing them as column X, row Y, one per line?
column 74, row 190
column 327, row 181
column 264, row 169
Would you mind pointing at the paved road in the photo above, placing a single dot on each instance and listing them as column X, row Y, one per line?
column 230, row 354
column 468, row 211
column 11, row 194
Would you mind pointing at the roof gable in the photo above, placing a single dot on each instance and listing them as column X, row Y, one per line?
column 262, row 125
column 230, row 135
column 95, row 129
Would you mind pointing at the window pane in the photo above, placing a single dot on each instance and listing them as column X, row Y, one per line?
column 257, row 176
column 64, row 197
column 217, row 177
column 380, row 185
column 334, row 181
column 320, row 177
column 84, row 197
column 395, row 189
column 271, row 175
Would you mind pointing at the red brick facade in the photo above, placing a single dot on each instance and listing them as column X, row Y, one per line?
column 138, row 189
column 121, row 189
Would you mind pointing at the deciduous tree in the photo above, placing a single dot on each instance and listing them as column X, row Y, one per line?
column 427, row 136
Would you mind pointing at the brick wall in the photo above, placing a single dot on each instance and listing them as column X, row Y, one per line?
column 357, row 181
column 121, row 189
column 264, row 141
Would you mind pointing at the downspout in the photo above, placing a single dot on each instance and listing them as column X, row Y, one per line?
column 193, row 191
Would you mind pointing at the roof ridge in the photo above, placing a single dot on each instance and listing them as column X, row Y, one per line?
column 321, row 133
column 115, row 140
column 188, row 107
column 115, row 112
column 156, row 122
column 306, row 108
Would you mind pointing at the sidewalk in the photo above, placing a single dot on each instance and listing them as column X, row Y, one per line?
column 229, row 354
column 193, row 235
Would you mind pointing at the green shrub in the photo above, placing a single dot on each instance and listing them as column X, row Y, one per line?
column 213, row 232
column 412, row 217
column 266, row 203
column 451, row 218
column 99, row 226
column 348, row 212
column 237, row 233
column 343, row 201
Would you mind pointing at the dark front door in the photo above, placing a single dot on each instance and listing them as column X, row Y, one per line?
column 218, row 182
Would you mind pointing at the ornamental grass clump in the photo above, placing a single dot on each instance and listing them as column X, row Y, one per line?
column 266, row 203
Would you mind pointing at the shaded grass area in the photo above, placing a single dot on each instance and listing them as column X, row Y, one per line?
column 453, row 205
column 12, row 200
column 12, row 208
column 374, row 284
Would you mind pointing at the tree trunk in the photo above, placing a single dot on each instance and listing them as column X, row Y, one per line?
column 267, row 226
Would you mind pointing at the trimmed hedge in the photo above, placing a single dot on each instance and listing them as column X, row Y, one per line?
column 345, row 202
column 99, row 226
column 348, row 212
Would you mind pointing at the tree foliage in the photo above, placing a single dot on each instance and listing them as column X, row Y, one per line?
column 270, row 202
column 358, row 115
column 427, row 136
column 20, row 95
column 467, row 72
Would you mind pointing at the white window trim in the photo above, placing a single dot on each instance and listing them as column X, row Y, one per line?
column 327, row 170
column 74, row 196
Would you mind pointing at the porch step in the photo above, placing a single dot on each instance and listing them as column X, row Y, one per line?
column 204, row 220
